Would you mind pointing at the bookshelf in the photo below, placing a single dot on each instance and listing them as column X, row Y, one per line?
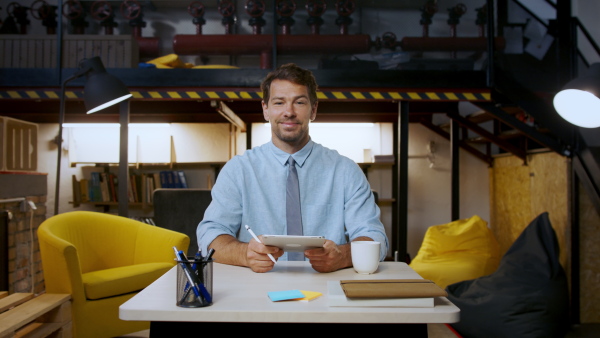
column 99, row 182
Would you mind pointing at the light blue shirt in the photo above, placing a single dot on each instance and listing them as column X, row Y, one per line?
column 335, row 197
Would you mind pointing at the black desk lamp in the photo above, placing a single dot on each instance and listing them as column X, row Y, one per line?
column 101, row 90
column 578, row 102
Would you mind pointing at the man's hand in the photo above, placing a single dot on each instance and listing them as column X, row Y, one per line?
column 330, row 257
column 257, row 256
column 228, row 250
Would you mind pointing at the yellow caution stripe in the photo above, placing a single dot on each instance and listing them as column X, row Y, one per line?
column 341, row 95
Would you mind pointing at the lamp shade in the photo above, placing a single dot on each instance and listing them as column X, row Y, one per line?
column 101, row 89
column 579, row 101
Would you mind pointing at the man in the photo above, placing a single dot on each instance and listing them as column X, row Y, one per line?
column 335, row 198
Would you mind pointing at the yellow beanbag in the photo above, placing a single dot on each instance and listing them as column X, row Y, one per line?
column 460, row 250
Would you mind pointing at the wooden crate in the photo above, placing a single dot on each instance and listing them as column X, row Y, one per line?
column 18, row 145
column 40, row 51
column 24, row 315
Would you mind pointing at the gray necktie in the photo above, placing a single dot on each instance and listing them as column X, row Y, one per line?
column 292, row 207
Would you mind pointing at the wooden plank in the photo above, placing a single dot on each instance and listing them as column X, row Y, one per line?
column 13, row 320
column 46, row 47
column 38, row 330
column 104, row 53
column 15, row 50
column 14, row 300
column 80, row 51
column 119, row 53
column 23, row 50
column 32, row 53
column 38, row 59
column 3, row 52
column 35, row 51
column 89, row 49
column 3, row 294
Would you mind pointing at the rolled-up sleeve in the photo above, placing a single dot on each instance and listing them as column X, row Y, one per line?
column 224, row 214
column 361, row 213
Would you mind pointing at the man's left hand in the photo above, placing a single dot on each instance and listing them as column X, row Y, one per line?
column 330, row 257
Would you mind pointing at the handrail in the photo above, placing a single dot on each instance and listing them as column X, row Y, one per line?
column 551, row 4
column 537, row 18
column 588, row 37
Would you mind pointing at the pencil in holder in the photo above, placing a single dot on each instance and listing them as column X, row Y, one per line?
column 194, row 283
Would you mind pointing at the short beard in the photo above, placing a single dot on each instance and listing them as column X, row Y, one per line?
column 290, row 138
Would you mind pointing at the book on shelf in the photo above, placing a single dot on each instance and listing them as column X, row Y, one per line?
column 113, row 186
column 164, row 179
column 136, row 181
column 84, row 190
column 103, row 186
column 182, row 179
column 150, row 186
column 104, row 189
column 157, row 181
column 76, row 190
column 130, row 192
column 175, row 179
column 95, row 191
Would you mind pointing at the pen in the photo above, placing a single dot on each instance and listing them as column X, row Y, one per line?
column 209, row 255
column 196, row 285
column 197, row 257
column 187, row 273
column 258, row 240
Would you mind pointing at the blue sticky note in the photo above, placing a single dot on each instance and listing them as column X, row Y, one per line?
column 285, row 295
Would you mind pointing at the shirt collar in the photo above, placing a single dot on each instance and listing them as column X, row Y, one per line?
column 299, row 156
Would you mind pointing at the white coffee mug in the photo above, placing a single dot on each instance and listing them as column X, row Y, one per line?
column 365, row 256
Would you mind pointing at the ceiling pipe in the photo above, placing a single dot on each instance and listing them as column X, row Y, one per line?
column 231, row 44
column 148, row 47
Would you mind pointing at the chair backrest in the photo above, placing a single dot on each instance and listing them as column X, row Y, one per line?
column 102, row 240
column 181, row 210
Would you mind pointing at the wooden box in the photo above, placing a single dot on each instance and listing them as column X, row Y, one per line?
column 40, row 51
column 18, row 145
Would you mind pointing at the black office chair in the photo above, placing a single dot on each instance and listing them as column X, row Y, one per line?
column 181, row 210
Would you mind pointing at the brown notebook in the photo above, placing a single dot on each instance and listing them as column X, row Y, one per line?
column 391, row 288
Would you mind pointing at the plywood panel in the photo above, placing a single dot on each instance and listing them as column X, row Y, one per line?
column 549, row 176
column 509, row 212
column 520, row 192
column 589, row 242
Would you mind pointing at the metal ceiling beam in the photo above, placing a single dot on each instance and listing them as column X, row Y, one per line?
column 228, row 114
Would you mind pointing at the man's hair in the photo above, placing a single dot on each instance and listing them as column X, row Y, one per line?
column 291, row 72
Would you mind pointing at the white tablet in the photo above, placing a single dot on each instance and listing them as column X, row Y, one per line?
column 294, row 243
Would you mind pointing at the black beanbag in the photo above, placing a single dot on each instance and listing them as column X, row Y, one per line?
column 526, row 297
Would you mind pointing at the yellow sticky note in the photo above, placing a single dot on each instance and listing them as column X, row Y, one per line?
column 309, row 295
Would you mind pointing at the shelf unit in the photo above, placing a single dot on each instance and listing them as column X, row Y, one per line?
column 143, row 168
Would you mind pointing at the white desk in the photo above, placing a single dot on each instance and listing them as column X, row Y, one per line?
column 240, row 295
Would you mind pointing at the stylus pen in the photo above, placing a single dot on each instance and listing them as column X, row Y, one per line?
column 258, row 240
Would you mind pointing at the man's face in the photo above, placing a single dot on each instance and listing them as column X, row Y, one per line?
column 289, row 111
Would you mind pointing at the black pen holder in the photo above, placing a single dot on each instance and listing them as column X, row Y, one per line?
column 194, row 283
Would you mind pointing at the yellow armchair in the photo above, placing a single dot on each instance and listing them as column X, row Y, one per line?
column 103, row 260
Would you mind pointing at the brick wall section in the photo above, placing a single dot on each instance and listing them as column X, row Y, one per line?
column 22, row 262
